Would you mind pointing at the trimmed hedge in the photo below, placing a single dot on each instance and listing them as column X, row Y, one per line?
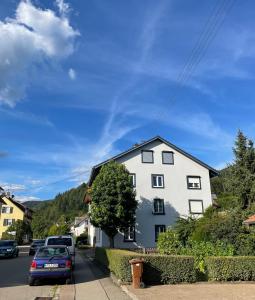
column 157, row 268
column 239, row 268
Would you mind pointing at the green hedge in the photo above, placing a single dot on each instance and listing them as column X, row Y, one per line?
column 239, row 268
column 157, row 268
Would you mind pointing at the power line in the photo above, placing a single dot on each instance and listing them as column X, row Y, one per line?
column 212, row 26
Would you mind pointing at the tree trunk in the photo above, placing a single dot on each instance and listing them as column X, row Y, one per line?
column 111, row 240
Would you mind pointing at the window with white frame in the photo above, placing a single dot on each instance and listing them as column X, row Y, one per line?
column 8, row 222
column 158, row 230
column 129, row 234
column 157, row 180
column 196, row 207
column 194, row 182
column 158, row 206
column 147, row 156
column 133, row 179
column 7, row 209
column 167, row 157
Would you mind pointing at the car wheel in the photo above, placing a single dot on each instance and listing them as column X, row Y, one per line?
column 31, row 281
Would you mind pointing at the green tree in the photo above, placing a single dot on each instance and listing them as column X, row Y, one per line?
column 60, row 228
column 240, row 180
column 113, row 203
column 70, row 204
column 22, row 228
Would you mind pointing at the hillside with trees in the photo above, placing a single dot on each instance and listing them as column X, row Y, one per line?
column 59, row 212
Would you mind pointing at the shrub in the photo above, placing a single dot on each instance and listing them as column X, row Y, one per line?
column 245, row 244
column 184, row 228
column 169, row 243
column 200, row 250
column 224, row 226
column 157, row 268
column 239, row 268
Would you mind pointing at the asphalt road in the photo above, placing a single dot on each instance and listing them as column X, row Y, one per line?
column 90, row 282
column 13, row 279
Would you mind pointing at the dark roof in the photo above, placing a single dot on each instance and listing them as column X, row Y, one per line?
column 2, row 201
column 96, row 168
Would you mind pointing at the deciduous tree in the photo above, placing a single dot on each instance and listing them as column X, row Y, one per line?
column 113, row 203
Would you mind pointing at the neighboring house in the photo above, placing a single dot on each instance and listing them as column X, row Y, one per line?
column 169, row 183
column 11, row 211
column 79, row 226
column 250, row 221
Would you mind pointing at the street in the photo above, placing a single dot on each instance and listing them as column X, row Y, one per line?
column 90, row 282
column 13, row 279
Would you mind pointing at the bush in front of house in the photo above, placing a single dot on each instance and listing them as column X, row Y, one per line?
column 235, row 268
column 157, row 268
column 170, row 244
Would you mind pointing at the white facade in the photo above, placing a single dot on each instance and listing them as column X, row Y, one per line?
column 80, row 226
column 186, row 190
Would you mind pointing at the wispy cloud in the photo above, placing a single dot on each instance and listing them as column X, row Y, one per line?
column 12, row 187
column 26, row 117
column 72, row 74
column 26, row 198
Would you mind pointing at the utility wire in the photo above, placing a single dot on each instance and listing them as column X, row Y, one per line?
column 211, row 28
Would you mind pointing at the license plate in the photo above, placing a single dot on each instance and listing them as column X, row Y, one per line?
column 51, row 266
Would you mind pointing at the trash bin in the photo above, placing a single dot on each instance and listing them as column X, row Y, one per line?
column 137, row 272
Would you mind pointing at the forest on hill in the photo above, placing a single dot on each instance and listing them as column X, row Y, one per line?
column 62, row 209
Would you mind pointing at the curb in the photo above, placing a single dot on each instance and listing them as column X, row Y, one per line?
column 130, row 294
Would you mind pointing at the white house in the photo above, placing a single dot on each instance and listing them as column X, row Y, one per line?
column 169, row 183
column 79, row 226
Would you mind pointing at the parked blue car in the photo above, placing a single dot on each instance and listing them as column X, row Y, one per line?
column 51, row 262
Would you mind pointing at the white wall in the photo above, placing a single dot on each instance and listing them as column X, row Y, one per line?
column 175, row 193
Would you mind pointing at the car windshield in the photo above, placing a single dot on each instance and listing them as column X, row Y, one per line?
column 52, row 252
column 60, row 241
column 41, row 242
column 6, row 243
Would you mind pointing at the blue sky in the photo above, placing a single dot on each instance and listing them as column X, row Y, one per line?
column 81, row 81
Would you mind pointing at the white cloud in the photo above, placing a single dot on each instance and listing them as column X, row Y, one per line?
column 12, row 187
column 26, row 198
column 63, row 7
column 72, row 74
column 33, row 36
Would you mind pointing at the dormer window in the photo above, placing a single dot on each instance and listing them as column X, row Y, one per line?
column 147, row 156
